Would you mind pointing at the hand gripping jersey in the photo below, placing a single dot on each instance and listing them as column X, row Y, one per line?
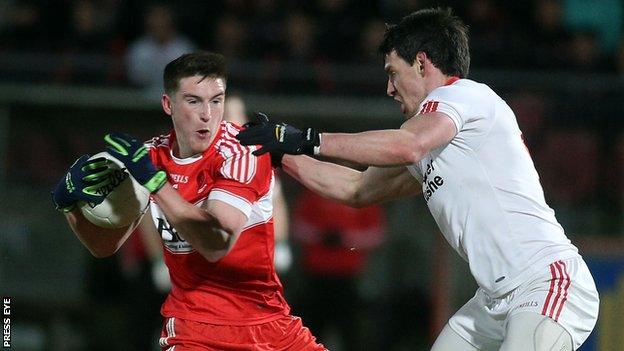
column 242, row 288
column 484, row 192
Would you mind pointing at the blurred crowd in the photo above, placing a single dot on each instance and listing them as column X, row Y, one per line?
column 127, row 42
column 272, row 42
column 276, row 46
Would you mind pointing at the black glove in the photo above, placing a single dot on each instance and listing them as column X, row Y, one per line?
column 86, row 180
column 276, row 159
column 133, row 154
column 278, row 137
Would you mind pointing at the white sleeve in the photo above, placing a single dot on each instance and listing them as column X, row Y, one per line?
column 452, row 100
column 231, row 199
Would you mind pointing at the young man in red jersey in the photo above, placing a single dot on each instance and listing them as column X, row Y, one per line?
column 211, row 204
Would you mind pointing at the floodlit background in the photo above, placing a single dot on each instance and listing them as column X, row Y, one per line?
column 71, row 71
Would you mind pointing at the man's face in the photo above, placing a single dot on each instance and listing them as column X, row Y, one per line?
column 406, row 84
column 196, row 110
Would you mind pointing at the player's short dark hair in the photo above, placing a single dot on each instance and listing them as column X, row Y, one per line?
column 206, row 64
column 434, row 31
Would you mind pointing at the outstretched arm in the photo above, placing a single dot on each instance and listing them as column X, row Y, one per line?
column 391, row 147
column 381, row 148
column 349, row 186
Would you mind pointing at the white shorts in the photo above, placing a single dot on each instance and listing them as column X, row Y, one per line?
column 565, row 292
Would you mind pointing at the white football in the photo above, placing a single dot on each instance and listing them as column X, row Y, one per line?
column 127, row 201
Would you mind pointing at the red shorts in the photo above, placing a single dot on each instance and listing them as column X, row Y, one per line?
column 285, row 333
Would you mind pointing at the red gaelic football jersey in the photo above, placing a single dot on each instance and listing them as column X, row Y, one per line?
column 242, row 288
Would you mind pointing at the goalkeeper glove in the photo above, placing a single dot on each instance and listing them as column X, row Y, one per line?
column 86, row 180
column 133, row 154
column 278, row 137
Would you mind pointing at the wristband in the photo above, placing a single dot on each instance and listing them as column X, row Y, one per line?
column 317, row 149
column 157, row 181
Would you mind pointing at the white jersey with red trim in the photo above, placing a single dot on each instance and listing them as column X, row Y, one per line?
column 242, row 288
column 484, row 192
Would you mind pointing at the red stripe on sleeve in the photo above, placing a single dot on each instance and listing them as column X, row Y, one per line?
column 434, row 106
column 551, row 290
column 565, row 290
column 551, row 314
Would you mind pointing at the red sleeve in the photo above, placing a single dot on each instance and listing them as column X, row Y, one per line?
column 241, row 178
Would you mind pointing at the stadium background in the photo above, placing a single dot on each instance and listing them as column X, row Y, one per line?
column 65, row 81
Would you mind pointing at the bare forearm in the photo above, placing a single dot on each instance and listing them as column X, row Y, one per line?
column 330, row 180
column 382, row 148
column 194, row 224
column 101, row 242
column 351, row 187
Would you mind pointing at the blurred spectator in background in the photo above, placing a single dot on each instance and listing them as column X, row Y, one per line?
column 334, row 241
column 107, row 293
column 603, row 18
column 236, row 112
column 230, row 37
column 395, row 9
column 565, row 35
column 371, row 36
column 549, row 36
column 30, row 168
column 238, row 8
column 90, row 27
column 299, row 37
column 338, row 28
column 584, row 53
column 265, row 26
column 530, row 109
column 301, row 50
column 570, row 187
column 488, row 32
column 126, row 292
column 147, row 283
column 21, row 25
column 160, row 44
column 401, row 282
column 316, row 35
column 89, row 35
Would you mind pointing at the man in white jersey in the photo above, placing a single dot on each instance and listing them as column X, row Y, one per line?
column 462, row 149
